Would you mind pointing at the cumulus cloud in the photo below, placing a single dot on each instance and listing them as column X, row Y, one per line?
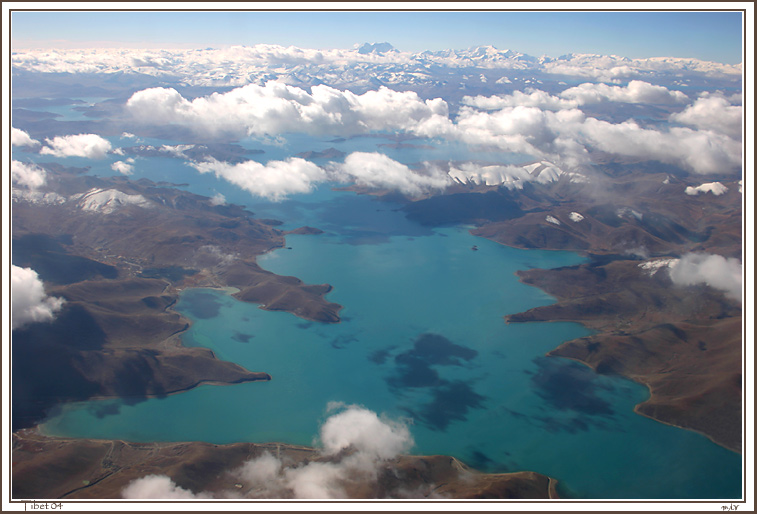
column 612, row 68
column 29, row 302
column 367, row 439
column 273, row 180
column 27, row 175
column 529, row 98
column 379, row 171
column 218, row 199
column 359, row 428
column 90, row 146
column 534, row 123
column 540, row 133
column 21, row 138
column 355, row 444
column 698, row 151
column 277, row 179
column 712, row 112
column 158, row 487
column 278, row 108
column 715, row 188
column 716, row 271
column 636, row 92
column 124, row 168
column 566, row 136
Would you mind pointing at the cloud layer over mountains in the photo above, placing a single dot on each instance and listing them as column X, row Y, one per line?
column 258, row 63
column 537, row 124
column 276, row 108
column 267, row 92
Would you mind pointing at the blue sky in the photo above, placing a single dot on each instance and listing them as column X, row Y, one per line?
column 712, row 36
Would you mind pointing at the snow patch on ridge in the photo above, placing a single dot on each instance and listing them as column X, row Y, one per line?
column 107, row 201
column 653, row 266
column 715, row 188
column 37, row 197
column 511, row 176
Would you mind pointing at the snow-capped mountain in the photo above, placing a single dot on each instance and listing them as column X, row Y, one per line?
column 368, row 65
column 512, row 177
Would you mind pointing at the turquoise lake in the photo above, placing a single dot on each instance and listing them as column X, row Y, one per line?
column 422, row 339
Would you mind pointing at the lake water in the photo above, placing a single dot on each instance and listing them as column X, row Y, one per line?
column 422, row 339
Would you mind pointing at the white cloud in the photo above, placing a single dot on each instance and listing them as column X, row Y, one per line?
column 715, row 188
column 712, row 112
column 277, row 179
column 29, row 302
column 254, row 64
column 21, row 138
column 534, row 123
column 218, row 199
column 716, row 271
column 530, row 98
column 28, row 175
column 158, row 487
column 90, row 146
column 612, row 68
column 361, row 429
column 122, row 167
column 575, row 217
column 542, row 134
column 636, row 92
column 273, row 180
column 277, row 108
column 698, row 151
column 564, row 137
column 356, row 442
column 379, row 171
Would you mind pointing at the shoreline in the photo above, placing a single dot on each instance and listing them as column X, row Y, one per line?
column 593, row 325
column 102, row 468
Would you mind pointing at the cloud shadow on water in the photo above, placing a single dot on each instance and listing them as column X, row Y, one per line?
column 450, row 400
column 242, row 338
column 567, row 386
column 200, row 304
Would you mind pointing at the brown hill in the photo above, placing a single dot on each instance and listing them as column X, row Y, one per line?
column 56, row 468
